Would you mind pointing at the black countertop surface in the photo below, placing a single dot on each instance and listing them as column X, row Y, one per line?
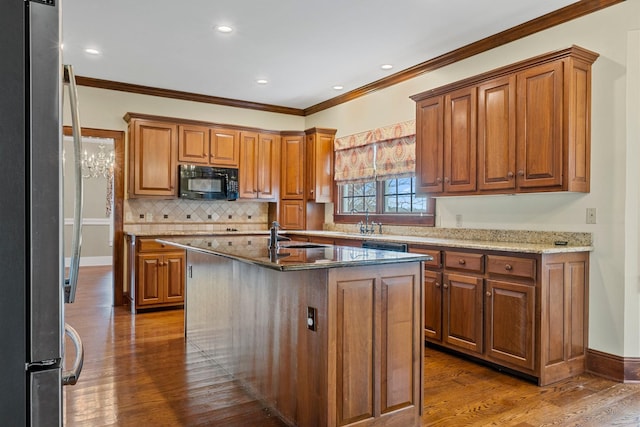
column 291, row 255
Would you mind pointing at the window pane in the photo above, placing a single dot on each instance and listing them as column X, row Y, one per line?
column 390, row 186
column 370, row 188
column 419, row 204
column 358, row 189
column 404, row 204
column 404, row 186
column 390, row 204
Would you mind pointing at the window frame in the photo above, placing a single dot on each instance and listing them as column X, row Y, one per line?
column 421, row 219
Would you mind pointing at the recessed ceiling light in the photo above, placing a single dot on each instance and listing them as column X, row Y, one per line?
column 262, row 81
column 224, row 28
column 386, row 66
column 92, row 51
column 338, row 87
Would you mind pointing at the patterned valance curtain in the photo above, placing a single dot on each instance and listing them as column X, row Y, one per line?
column 382, row 153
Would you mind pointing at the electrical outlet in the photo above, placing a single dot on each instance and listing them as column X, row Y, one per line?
column 591, row 215
column 312, row 318
column 459, row 220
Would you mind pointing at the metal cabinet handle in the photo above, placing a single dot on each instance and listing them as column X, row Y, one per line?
column 508, row 267
column 71, row 377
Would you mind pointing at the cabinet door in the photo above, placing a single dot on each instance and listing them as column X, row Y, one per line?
column 193, row 144
column 155, row 158
column 248, row 179
column 460, row 141
column 497, row 134
column 149, row 281
column 539, row 126
column 268, row 166
column 225, row 147
column 319, row 166
column 293, row 164
column 292, row 214
column 463, row 312
column 510, row 323
column 173, row 265
column 433, row 305
column 429, row 145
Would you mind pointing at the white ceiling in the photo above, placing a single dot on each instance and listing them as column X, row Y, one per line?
column 302, row 47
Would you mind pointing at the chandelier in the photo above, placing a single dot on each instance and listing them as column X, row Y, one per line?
column 98, row 165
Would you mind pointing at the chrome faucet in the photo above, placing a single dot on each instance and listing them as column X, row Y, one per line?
column 366, row 228
column 274, row 238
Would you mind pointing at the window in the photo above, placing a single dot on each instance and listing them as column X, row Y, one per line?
column 392, row 201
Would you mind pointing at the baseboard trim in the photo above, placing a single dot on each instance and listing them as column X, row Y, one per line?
column 617, row 368
column 91, row 261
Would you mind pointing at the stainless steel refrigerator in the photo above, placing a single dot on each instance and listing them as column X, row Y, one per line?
column 32, row 276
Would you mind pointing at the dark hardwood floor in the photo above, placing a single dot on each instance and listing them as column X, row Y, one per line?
column 140, row 371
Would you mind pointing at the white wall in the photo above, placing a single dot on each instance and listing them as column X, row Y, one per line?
column 614, row 323
column 105, row 109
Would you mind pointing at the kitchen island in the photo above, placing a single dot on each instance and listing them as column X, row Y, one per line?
column 324, row 335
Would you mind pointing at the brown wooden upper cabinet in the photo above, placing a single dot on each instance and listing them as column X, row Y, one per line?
column 293, row 166
column 153, row 158
column 319, row 164
column 208, row 146
column 259, row 165
column 521, row 128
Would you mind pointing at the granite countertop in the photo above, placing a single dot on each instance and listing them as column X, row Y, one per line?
column 522, row 247
column 291, row 255
column 514, row 242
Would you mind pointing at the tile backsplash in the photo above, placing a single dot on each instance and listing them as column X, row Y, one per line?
column 180, row 214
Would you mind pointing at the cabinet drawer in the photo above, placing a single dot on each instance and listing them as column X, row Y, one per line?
column 436, row 262
column 511, row 266
column 464, row 261
column 150, row 245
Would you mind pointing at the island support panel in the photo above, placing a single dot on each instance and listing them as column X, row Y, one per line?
column 363, row 363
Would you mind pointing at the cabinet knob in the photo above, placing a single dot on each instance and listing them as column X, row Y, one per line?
column 438, row 180
column 520, row 172
column 437, row 285
column 510, row 175
column 461, row 261
column 446, row 179
column 311, row 191
column 508, row 267
column 445, row 286
column 488, row 293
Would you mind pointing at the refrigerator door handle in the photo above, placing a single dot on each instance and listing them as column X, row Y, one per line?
column 71, row 377
column 71, row 283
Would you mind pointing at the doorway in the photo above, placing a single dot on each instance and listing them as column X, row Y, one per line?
column 117, row 207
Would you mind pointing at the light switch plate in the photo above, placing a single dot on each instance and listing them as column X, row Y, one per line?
column 591, row 215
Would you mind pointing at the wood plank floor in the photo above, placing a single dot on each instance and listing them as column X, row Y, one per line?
column 140, row 371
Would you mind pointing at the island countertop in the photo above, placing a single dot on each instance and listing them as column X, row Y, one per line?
column 291, row 255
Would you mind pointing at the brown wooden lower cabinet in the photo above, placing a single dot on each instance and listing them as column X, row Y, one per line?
column 525, row 312
column 158, row 273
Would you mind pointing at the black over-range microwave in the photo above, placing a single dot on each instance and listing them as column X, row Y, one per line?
column 207, row 183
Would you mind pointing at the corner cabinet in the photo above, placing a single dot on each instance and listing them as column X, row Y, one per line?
column 153, row 158
column 521, row 128
column 524, row 312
